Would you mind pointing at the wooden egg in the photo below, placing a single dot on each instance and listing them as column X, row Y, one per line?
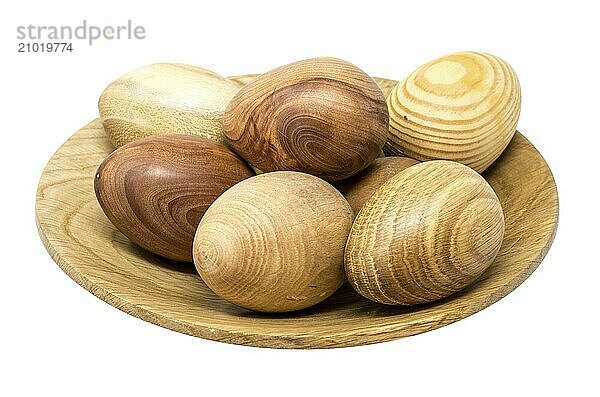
column 274, row 242
column 156, row 189
column 322, row 116
column 462, row 107
column 428, row 232
column 359, row 188
column 165, row 98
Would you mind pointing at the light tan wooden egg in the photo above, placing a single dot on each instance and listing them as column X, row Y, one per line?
column 274, row 242
column 165, row 98
column 359, row 188
column 428, row 232
column 462, row 107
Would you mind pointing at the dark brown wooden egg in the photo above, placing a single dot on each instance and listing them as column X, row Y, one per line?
column 155, row 190
column 321, row 116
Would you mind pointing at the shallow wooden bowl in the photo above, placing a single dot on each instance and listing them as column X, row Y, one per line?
column 92, row 252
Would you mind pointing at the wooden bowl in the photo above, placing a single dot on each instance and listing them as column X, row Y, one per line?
column 92, row 252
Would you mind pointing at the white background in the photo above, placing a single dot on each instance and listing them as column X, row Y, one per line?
column 58, row 339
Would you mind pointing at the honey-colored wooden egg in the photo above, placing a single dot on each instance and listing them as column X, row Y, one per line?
column 274, row 242
column 462, row 107
column 426, row 233
column 165, row 98
column 359, row 188
column 322, row 116
column 156, row 189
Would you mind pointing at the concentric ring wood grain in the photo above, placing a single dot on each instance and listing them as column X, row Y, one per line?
column 98, row 257
column 322, row 116
column 462, row 107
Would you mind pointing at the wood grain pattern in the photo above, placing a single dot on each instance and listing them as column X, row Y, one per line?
column 274, row 242
column 242, row 79
column 385, row 85
column 165, row 98
column 155, row 190
column 462, row 107
column 322, row 116
column 359, row 188
column 93, row 253
column 428, row 232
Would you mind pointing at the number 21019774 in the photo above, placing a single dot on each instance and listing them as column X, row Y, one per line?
column 45, row 47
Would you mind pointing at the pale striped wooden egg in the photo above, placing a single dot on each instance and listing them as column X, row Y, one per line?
column 462, row 107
